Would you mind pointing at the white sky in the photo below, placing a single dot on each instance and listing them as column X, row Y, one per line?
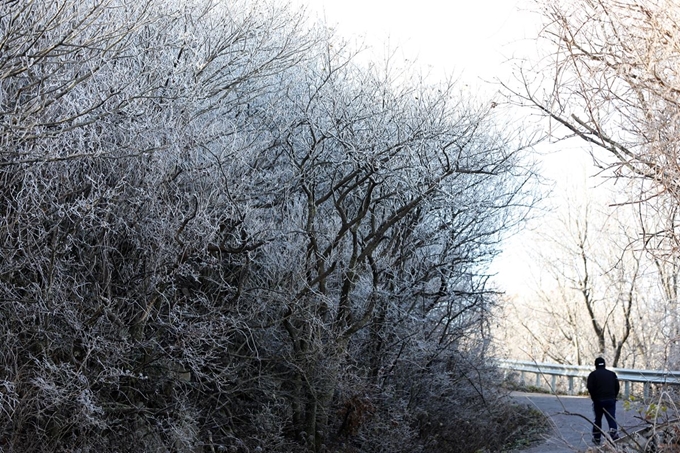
column 471, row 38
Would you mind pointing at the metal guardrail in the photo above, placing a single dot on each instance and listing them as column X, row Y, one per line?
column 554, row 370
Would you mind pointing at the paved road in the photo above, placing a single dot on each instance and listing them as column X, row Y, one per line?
column 571, row 417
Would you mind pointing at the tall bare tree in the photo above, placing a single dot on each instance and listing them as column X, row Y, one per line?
column 611, row 79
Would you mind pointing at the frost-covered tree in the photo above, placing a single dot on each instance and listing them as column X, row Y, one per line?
column 388, row 183
column 219, row 231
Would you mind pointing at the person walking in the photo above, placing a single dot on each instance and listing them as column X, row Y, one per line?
column 603, row 387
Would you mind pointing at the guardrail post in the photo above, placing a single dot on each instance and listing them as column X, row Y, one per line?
column 570, row 389
column 626, row 389
column 538, row 380
column 553, row 384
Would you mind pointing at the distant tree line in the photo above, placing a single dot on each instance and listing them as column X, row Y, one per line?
column 219, row 232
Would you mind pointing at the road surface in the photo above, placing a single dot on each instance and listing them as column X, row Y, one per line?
column 571, row 417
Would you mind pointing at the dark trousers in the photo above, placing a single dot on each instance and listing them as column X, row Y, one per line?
column 608, row 409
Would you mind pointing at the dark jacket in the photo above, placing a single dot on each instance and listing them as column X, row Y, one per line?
column 603, row 384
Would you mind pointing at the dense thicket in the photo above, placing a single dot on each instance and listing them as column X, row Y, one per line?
column 219, row 233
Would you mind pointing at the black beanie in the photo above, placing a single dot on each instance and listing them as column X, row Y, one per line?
column 599, row 362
